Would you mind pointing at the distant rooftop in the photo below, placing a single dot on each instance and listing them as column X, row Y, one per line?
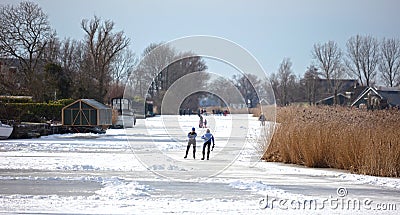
column 382, row 88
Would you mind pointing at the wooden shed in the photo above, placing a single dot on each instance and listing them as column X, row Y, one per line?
column 86, row 112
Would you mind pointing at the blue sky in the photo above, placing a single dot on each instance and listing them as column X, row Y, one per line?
column 271, row 29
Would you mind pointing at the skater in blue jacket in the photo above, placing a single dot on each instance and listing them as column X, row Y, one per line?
column 208, row 138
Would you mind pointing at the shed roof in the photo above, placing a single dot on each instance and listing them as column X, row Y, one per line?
column 91, row 102
column 95, row 104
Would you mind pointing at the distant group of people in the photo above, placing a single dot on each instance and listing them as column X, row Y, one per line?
column 200, row 111
column 220, row 112
column 183, row 112
column 208, row 139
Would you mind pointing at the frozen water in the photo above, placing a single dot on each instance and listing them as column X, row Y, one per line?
column 105, row 173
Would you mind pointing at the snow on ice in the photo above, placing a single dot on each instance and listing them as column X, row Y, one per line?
column 105, row 173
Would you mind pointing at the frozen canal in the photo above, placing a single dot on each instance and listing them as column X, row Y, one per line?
column 142, row 171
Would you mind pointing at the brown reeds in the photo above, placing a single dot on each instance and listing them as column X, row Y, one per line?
column 365, row 142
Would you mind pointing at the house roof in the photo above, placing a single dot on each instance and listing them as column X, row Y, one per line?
column 10, row 62
column 392, row 95
column 331, row 97
column 325, row 90
column 381, row 88
column 363, row 93
column 344, row 83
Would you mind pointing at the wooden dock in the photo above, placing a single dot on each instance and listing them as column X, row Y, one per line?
column 25, row 130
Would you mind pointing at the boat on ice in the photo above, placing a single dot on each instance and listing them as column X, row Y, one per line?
column 126, row 115
column 5, row 130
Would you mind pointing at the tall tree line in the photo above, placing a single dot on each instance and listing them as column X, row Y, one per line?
column 100, row 64
column 51, row 68
column 162, row 66
column 97, row 66
column 366, row 59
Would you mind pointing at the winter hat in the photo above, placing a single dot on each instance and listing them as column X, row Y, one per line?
column 193, row 129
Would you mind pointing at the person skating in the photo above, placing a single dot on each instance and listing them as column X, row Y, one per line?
column 201, row 121
column 208, row 138
column 262, row 119
column 192, row 141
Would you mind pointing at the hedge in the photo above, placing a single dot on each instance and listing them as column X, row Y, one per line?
column 33, row 112
column 15, row 99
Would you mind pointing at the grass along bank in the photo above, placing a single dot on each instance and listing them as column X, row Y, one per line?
column 364, row 142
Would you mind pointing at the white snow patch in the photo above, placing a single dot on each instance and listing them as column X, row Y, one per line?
column 119, row 189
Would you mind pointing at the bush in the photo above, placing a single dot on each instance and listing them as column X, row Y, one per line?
column 361, row 141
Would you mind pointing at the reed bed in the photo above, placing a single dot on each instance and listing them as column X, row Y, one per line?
column 364, row 142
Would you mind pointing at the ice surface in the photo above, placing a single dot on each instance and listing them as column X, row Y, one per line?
column 104, row 174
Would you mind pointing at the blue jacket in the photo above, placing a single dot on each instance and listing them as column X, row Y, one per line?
column 208, row 136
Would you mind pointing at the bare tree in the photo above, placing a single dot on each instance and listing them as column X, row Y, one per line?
column 266, row 96
column 51, row 53
column 328, row 58
column 353, row 60
column 311, row 78
column 160, row 67
column 155, row 58
column 389, row 65
column 122, row 67
column 72, row 59
column 363, row 58
column 71, row 55
column 337, row 82
column 223, row 86
column 186, row 63
column 273, row 78
column 248, row 85
column 286, row 78
column 102, row 46
column 24, row 34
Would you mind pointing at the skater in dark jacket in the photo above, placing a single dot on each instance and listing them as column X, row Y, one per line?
column 208, row 138
column 262, row 119
column 192, row 141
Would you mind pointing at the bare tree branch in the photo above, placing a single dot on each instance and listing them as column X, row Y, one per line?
column 102, row 46
column 363, row 58
column 389, row 65
column 24, row 33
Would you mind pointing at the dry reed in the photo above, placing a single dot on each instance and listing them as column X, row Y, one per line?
column 364, row 142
